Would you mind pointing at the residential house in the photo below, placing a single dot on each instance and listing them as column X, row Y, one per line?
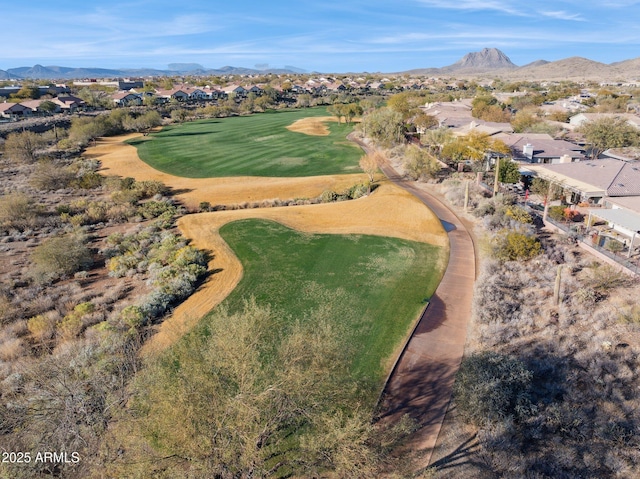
column 175, row 93
column 14, row 111
column 256, row 90
column 602, row 181
column 541, row 148
column 35, row 107
column 124, row 98
column 235, row 90
column 69, row 103
column 581, row 118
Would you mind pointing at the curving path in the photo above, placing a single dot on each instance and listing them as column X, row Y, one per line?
column 421, row 382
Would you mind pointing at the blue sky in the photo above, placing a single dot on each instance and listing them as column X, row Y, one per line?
column 320, row 35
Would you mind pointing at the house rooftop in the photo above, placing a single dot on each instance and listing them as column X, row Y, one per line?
column 603, row 177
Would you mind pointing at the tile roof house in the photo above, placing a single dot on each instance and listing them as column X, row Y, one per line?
column 14, row 110
column 124, row 98
column 35, row 106
column 69, row 103
column 580, row 118
column 595, row 179
column 541, row 148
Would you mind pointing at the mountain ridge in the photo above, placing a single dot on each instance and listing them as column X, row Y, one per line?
column 489, row 62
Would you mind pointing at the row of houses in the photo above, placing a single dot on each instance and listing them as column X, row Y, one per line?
column 29, row 108
column 319, row 86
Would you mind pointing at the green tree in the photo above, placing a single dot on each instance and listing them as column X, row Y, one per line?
column 609, row 132
column 48, row 107
column 509, row 172
column 27, row 92
column 241, row 400
column 419, row 163
column 384, row 125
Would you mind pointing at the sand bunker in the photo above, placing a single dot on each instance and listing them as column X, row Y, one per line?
column 120, row 159
column 389, row 211
column 314, row 126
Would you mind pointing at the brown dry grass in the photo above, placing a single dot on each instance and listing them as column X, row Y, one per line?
column 120, row 159
column 389, row 211
column 314, row 126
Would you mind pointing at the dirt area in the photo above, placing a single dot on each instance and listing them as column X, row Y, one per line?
column 314, row 126
column 120, row 159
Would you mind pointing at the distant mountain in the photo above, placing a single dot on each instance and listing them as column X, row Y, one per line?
column 537, row 63
column 185, row 67
column 491, row 62
column 576, row 68
column 67, row 73
column 485, row 60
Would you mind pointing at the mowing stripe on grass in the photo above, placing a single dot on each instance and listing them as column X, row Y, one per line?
column 256, row 145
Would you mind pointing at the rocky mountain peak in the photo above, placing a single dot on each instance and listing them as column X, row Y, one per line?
column 488, row 58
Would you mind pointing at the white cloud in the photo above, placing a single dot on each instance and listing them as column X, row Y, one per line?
column 493, row 5
column 562, row 15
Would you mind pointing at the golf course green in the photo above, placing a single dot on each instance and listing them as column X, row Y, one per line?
column 371, row 287
column 254, row 145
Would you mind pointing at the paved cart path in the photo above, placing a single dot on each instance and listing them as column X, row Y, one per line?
column 421, row 382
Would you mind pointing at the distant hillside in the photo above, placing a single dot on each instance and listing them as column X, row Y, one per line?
column 67, row 73
column 491, row 62
column 576, row 68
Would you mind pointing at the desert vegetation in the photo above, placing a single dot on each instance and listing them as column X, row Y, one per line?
column 71, row 325
column 303, row 359
column 547, row 385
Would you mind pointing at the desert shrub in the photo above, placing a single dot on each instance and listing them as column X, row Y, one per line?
column 630, row 315
column 7, row 308
column 556, row 213
column 204, row 206
column 88, row 181
column 23, row 146
column 519, row 214
column 149, row 188
column 72, row 324
column 17, row 211
column 155, row 209
column 357, row 191
column 328, row 196
column 133, row 316
column 48, row 175
column 491, row 387
column 513, row 245
column 614, row 245
column 607, row 277
column 125, row 196
column 60, row 256
column 42, row 326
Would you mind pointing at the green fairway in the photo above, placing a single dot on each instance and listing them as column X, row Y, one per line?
column 282, row 378
column 256, row 145
column 371, row 287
